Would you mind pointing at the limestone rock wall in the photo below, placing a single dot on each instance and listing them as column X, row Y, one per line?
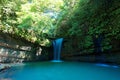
column 16, row 49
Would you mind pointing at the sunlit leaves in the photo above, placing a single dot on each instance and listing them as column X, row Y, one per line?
column 33, row 20
column 38, row 18
column 26, row 23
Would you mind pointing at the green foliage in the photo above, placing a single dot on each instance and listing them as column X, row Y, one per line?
column 88, row 18
column 80, row 20
column 26, row 23
column 31, row 19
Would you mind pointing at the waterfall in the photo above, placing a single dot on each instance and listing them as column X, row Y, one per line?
column 57, row 44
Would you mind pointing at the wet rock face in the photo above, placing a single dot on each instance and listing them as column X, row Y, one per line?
column 15, row 49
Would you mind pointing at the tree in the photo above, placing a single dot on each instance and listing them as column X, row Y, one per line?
column 32, row 20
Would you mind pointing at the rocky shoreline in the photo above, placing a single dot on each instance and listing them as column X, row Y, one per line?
column 4, row 67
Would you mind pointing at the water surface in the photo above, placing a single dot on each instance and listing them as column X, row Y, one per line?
column 62, row 71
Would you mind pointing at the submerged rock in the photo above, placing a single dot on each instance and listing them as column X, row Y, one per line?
column 6, row 79
column 3, row 67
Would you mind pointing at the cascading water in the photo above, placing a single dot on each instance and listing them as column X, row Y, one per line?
column 57, row 44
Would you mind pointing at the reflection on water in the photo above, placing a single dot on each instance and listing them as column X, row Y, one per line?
column 62, row 71
column 107, row 65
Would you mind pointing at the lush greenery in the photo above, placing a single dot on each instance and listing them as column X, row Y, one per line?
column 33, row 20
column 89, row 19
column 78, row 21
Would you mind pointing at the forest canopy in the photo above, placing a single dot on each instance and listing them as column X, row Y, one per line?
column 32, row 20
column 80, row 21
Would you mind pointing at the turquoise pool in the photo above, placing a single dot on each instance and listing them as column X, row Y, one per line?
column 62, row 71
